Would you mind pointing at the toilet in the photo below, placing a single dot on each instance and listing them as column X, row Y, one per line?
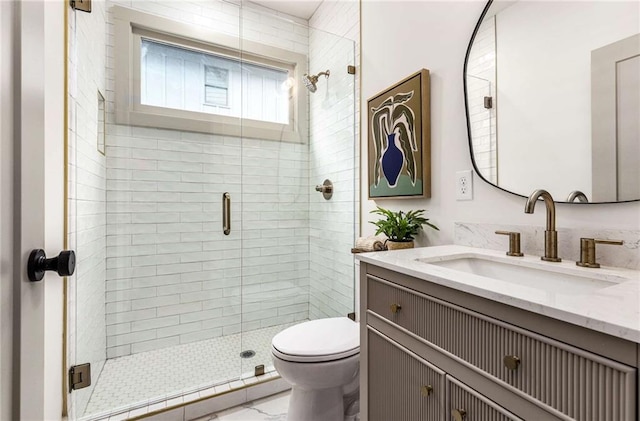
column 320, row 359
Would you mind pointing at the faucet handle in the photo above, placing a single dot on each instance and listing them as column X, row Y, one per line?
column 514, row 242
column 588, row 251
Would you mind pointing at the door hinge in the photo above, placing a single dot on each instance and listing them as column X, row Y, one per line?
column 352, row 316
column 82, row 5
column 488, row 102
column 79, row 376
column 351, row 70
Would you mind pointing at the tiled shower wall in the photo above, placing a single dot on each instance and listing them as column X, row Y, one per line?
column 87, row 194
column 333, row 135
column 481, row 82
column 172, row 276
column 275, row 233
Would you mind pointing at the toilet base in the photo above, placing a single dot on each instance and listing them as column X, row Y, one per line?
column 316, row 405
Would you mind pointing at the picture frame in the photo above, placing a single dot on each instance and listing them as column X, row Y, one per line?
column 399, row 140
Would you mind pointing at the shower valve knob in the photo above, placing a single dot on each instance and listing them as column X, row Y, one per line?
column 64, row 264
column 326, row 188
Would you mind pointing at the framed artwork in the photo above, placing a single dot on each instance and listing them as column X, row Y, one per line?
column 399, row 140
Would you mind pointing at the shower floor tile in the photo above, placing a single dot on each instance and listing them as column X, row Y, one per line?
column 153, row 377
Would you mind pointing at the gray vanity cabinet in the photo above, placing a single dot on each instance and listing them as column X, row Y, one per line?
column 466, row 403
column 503, row 362
column 403, row 385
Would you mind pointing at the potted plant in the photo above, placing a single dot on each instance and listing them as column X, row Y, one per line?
column 400, row 227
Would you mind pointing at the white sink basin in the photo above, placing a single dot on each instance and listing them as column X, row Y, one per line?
column 539, row 276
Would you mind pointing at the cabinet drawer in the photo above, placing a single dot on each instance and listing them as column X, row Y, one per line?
column 572, row 381
column 402, row 386
column 464, row 403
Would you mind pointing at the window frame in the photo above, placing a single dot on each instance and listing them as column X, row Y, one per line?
column 132, row 25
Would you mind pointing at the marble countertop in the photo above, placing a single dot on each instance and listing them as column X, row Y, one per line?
column 608, row 302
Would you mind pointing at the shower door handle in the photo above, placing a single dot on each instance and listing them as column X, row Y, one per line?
column 226, row 213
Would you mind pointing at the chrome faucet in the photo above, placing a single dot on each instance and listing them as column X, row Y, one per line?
column 550, row 234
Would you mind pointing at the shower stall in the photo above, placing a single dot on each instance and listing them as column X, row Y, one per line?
column 194, row 149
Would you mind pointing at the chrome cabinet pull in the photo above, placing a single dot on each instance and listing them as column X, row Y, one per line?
column 226, row 213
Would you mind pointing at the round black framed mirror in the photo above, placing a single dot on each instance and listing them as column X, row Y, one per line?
column 552, row 96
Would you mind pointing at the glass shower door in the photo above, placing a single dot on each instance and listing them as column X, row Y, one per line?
column 154, row 305
column 296, row 260
column 332, row 155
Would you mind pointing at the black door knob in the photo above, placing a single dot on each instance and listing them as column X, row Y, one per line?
column 64, row 264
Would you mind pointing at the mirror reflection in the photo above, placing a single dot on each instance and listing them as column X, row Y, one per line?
column 553, row 98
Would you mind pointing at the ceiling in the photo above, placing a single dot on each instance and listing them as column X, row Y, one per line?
column 299, row 8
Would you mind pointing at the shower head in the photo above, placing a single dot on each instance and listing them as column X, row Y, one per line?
column 311, row 80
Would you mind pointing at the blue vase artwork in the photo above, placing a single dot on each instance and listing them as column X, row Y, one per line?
column 394, row 141
column 392, row 161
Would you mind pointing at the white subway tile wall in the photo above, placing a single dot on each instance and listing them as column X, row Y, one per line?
column 333, row 135
column 481, row 83
column 173, row 277
column 87, row 195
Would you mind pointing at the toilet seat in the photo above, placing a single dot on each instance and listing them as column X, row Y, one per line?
column 318, row 341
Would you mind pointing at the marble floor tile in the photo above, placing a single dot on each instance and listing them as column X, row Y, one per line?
column 272, row 408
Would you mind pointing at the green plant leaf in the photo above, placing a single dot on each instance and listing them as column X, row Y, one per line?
column 400, row 226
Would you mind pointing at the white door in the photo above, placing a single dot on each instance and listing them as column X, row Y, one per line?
column 31, row 211
column 628, row 126
column 615, row 112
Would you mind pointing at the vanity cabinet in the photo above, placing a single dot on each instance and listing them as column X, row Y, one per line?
column 466, row 403
column 403, row 385
column 495, row 360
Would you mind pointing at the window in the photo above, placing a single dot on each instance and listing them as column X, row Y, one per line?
column 216, row 86
column 170, row 78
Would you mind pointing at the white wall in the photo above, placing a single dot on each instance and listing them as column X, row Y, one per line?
column 333, row 137
column 435, row 35
column 544, row 127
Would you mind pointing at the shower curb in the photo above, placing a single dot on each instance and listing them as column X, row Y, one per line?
column 216, row 403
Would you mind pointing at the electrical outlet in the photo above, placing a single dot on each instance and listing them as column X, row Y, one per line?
column 464, row 185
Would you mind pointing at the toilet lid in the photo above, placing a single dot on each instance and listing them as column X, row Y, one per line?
column 318, row 340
